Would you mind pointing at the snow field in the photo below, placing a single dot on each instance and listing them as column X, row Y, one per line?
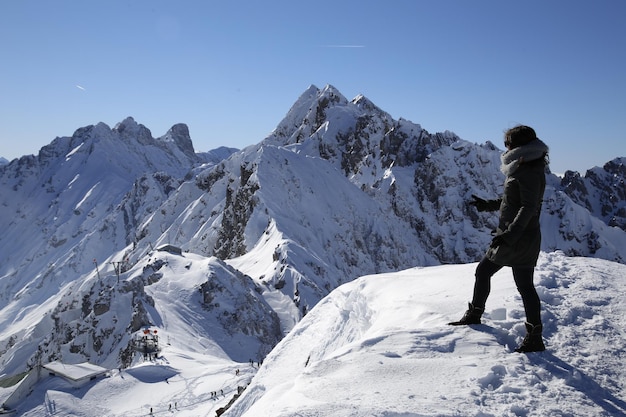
column 380, row 346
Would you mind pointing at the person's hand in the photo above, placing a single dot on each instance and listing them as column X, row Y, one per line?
column 479, row 203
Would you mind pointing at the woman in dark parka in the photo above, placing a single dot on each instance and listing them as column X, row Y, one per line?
column 518, row 237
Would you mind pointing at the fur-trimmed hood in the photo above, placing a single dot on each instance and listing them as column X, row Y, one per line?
column 512, row 159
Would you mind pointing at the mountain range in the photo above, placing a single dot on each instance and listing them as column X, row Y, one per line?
column 337, row 191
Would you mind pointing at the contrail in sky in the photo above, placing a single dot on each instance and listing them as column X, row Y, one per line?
column 343, row 46
column 80, row 87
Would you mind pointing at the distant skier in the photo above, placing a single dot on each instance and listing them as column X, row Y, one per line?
column 517, row 239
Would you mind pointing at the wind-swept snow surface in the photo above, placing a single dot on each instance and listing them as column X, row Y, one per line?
column 380, row 346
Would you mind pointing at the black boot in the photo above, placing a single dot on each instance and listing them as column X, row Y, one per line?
column 533, row 342
column 471, row 316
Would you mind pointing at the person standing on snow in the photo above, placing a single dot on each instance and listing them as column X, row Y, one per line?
column 517, row 239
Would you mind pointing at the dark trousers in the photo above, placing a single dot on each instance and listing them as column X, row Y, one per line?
column 523, row 277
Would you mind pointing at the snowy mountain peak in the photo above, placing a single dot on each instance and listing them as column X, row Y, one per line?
column 129, row 129
column 332, row 94
column 602, row 191
column 179, row 136
column 364, row 103
column 306, row 115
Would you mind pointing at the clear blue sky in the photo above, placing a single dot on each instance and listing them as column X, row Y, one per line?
column 231, row 70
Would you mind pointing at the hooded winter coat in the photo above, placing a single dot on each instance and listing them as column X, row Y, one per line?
column 518, row 233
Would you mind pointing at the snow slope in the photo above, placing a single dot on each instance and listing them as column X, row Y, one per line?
column 192, row 384
column 380, row 346
column 211, row 320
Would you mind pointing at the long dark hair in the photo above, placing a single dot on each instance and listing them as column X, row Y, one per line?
column 518, row 136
